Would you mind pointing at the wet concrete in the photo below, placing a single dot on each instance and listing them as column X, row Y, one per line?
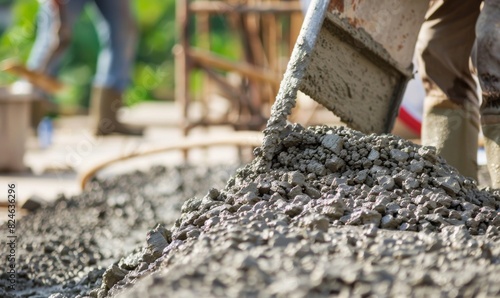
column 338, row 212
column 65, row 247
column 330, row 212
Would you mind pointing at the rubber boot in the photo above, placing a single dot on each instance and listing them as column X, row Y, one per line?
column 39, row 110
column 453, row 130
column 491, row 134
column 104, row 105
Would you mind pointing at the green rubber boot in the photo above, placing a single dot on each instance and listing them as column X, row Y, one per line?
column 104, row 105
column 453, row 130
column 491, row 134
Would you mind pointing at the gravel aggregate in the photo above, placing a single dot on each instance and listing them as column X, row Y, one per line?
column 319, row 212
column 330, row 212
column 65, row 247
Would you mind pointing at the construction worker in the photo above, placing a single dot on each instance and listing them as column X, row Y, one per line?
column 117, row 33
column 452, row 111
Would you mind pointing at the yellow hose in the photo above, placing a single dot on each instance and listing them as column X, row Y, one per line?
column 241, row 138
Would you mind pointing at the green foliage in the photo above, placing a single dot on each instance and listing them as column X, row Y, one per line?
column 154, row 68
column 153, row 74
column 16, row 42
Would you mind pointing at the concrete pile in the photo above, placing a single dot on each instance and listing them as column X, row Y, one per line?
column 325, row 211
column 64, row 248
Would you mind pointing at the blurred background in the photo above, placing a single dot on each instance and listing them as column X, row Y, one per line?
column 153, row 73
column 203, row 69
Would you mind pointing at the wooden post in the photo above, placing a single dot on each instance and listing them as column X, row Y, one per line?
column 260, row 23
column 182, row 67
column 181, row 58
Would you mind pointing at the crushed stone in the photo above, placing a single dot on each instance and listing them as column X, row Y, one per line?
column 391, row 218
column 65, row 247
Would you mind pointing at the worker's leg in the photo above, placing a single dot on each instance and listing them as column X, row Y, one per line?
column 488, row 68
column 53, row 36
column 451, row 109
column 54, row 30
column 118, row 36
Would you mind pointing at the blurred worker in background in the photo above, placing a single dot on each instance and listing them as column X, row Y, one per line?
column 452, row 109
column 117, row 32
column 5, row 15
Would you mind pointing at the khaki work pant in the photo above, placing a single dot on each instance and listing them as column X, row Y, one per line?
column 453, row 31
